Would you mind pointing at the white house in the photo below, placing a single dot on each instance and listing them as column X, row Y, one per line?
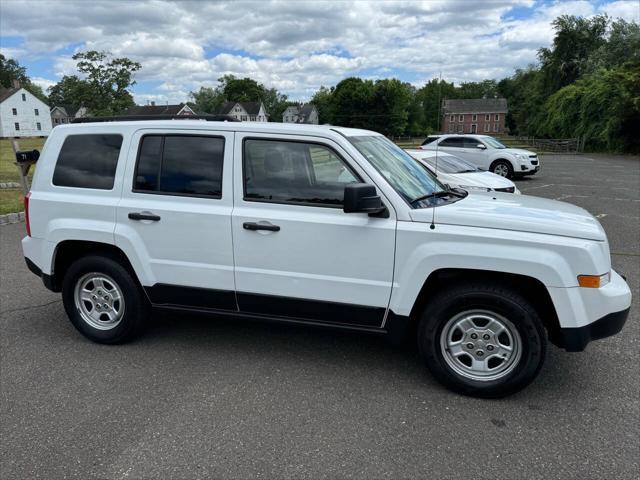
column 246, row 111
column 303, row 113
column 61, row 114
column 22, row 114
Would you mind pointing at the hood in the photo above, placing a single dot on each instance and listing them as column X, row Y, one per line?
column 521, row 213
column 518, row 150
column 481, row 179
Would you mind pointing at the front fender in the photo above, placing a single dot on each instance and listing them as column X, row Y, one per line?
column 420, row 251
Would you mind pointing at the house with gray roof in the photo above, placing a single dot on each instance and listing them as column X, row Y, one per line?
column 180, row 109
column 302, row 113
column 245, row 111
column 474, row 115
column 61, row 114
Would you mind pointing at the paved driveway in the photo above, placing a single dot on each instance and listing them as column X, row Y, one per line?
column 197, row 398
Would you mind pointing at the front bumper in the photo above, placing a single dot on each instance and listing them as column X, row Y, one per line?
column 576, row 339
column 528, row 169
column 587, row 314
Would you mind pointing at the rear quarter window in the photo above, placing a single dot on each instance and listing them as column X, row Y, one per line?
column 88, row 161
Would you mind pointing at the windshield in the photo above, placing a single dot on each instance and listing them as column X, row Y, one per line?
column 493, row 142
column 450, row 164
column 410, row 179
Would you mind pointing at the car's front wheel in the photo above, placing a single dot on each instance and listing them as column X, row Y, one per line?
column 103, row 300
column 482, row 340
column 502, row 168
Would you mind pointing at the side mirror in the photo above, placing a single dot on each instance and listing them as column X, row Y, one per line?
column 480, row 146
column 362, row 198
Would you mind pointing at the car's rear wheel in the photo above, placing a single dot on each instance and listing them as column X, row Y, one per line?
column 502, row 168
column 103, row 300
column 482, row 340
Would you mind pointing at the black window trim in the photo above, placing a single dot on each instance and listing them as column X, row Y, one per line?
column 115, row 173
column 174, row 194
column 453, row 138
column 284, row 202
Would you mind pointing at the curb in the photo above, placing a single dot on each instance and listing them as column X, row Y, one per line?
column 4, row 185
column 11, row 218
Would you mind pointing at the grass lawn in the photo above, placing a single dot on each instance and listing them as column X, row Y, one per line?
column 11, row 200
column 8, row 171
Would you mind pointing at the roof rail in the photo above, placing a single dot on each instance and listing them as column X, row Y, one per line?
column 137, row 118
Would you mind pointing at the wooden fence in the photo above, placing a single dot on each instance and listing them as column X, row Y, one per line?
column 553, row 145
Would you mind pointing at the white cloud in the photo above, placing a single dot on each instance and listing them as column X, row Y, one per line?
column 44, row 83
column 293, row 46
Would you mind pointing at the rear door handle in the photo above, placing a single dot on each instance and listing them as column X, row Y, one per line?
column 260, row 226
column 144, row 216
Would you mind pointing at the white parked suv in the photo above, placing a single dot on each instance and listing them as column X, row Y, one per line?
column 487, row 153
column 314, row 225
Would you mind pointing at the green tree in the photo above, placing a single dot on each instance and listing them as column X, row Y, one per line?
column 323, row 100
column 483, row 89
column 604, row 107
column 430, row 98
column 275, row 103
column 391, row 99
column 71, row 90
column 11, row 70
column 567, row 59
column 241, row 89
column 104, row 88
column 207, row 100
column 353, row 101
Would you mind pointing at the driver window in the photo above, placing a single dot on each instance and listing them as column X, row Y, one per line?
column 294, row 172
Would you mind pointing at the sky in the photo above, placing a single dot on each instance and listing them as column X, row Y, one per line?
column 294, row 46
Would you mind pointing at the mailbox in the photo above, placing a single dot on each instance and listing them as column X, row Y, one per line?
column 27, row 156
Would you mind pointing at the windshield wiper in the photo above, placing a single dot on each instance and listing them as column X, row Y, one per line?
column 441, row 193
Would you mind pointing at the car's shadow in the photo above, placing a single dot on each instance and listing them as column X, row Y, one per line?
column 270, row 343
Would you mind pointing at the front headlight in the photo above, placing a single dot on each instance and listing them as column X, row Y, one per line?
column 522, row 156
column 474, row 187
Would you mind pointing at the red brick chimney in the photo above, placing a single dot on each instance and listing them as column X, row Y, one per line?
column 15, row 83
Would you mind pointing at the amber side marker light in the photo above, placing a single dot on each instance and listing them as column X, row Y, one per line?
column 594, row 281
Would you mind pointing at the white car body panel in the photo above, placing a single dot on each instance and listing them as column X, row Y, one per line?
column 320, row 253
column 199, row 226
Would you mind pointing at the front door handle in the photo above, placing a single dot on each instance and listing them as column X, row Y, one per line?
column 144, row 216
column 260, row 226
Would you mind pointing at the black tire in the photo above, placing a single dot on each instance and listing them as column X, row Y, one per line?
column 502, row 301
column 502, row 164
column 135, row 306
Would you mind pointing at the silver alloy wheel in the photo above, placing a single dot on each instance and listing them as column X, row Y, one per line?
column 481, row 345
column 99, row 300
column 501, row 169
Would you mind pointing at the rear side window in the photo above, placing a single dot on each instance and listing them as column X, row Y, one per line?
column 189, row 165
column 452, row 142
column 429, row 140
column 88, row 161
column 471, row 142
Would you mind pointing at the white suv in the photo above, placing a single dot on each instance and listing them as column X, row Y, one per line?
column 314, row 225
column 487, row 153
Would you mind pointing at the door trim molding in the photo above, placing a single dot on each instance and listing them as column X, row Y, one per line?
column 298, row 310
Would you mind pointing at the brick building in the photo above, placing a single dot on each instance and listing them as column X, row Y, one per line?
column 474, row 115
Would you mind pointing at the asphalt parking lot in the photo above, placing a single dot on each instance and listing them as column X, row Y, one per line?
column 201, row 398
